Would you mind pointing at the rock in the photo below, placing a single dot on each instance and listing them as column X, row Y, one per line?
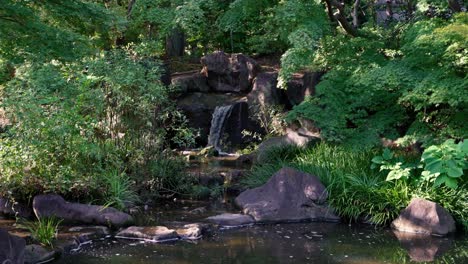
column 199, row 210
column 149, row 233
column 89, row 233
column 191, row 82
column 191, row 231
column 301, row 86
column 289, row 196
column 11, row 248
column 237, row 122
column 264, row 91
column 299, row 138
column 231, row 220
column 229, row 74
column 422, row 248
column 424, row 217
column 16, row 209
column 48, row 205
column 199, row 108
column 38, row 254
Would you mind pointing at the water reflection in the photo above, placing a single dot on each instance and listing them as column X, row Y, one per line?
column 290, row 243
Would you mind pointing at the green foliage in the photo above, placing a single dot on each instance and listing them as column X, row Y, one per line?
column 445, row 163
column 442, row 164
column 356, row 190
column 408, row 81
column 397, row 166
column 53, row 29
column 44, row 230
column 165, row 176
column 72, row 123
column 119, row 192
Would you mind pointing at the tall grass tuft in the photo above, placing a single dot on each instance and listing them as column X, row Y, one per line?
column 44, row 230
column 119, row 192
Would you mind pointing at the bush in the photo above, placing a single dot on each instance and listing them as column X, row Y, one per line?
column 75, row 124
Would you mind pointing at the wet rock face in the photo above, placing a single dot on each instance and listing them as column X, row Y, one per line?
column 231, row 220
column 289, row 196
column 424, row 217
column 15, row 209
column 54, row 205
column 233, row 73
column 191, row 82
column 11, row 248
column 39, row 254
column 199, row 108
column 149, row 233
column 264, row 91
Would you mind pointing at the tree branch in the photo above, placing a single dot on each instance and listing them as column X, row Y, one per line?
column 340, row 16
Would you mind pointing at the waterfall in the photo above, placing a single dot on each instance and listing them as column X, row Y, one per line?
column 218, row 123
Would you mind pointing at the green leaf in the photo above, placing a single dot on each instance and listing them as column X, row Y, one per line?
column 451, row 183
column 377, row 160
column 454, row 172
column 440, row 180
column 387, row 154
column 435, row 166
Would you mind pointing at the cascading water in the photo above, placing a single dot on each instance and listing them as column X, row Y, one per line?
column 218, row 124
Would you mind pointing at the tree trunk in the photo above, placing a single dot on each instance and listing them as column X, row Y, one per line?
column 131, row 3
column 175, row 43
column 355, row 13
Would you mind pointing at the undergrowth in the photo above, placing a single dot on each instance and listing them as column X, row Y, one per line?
column 355, row 190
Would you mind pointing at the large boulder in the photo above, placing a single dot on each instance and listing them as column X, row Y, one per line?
column 233, row 73
column 11, row 248
column 289, row 196
column 424, row 217
column 149, row 233
column 190, row 82
column 48, row 205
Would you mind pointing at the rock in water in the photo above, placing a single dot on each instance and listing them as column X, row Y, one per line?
column 289, row 196
column 48, row 205
column 231, row 220
column 39, row 254
column 424, row 217
column 149, row 233
column 11, row 248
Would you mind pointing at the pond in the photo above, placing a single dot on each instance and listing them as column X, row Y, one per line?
column 275, row 243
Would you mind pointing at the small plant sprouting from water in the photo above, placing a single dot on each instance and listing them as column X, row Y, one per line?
column 44, row 230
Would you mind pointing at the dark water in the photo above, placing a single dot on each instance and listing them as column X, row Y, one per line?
column 279, row 243
column 288, row 243
column 269, row 244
